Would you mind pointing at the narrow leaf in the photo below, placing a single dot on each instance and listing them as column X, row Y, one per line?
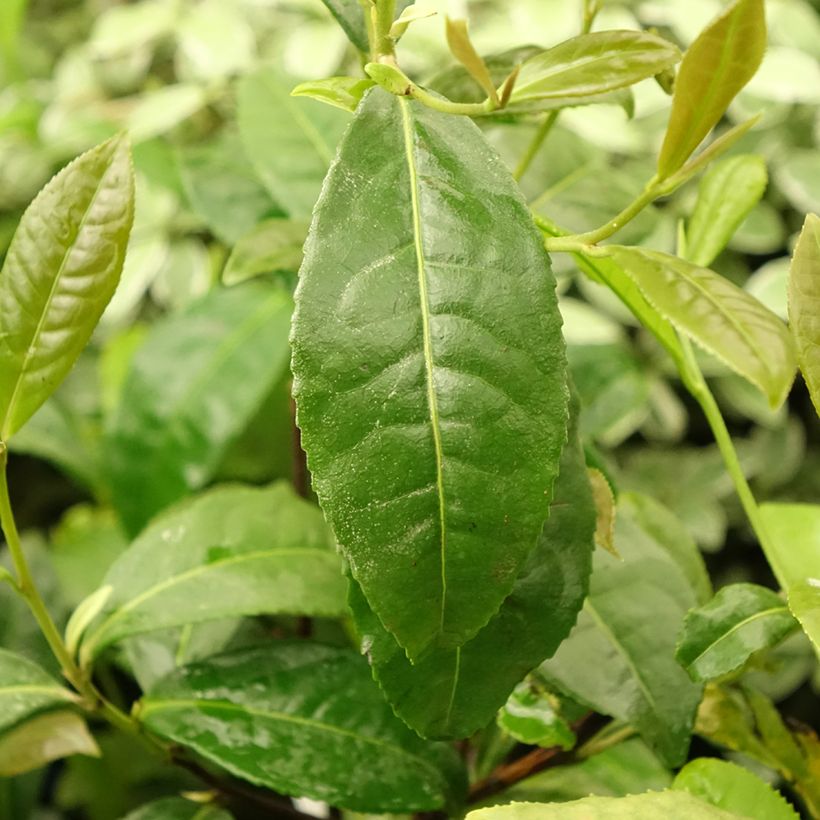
column 605, row 507
column 461, row 47
column 305, row 720
column 83, row 615
column 715, row 67
column 427, row 333
column 343, row 92
column 60, row 272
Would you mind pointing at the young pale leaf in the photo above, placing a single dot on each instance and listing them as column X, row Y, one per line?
column 728, row 191
column 83, row 615
column 273, row 245
column 452, row 693
column 174, row 425
column 461, row 47
column 593, row 64
column 719, row 316
column 231, row 551
column 715, row 67
column 795, row 531
column 734, row 789
column 289, row 141
column 605, row 507
column 804, row 304
column 177, row 808
column 306, row 720
column 530, row 717
column 343, row 92
column 60, row 272
column 429, row 370
column 43, row 739
column 25, row 690
column 719, row 637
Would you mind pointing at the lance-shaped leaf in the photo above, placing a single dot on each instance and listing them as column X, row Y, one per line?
column 804, row 304
column 462, row 48
column 60, row 272
column 177, row 808
column 306, row 720
column 715, row 67
column 719, row 316
column 429, row 370
column 452, row 693
column 343, row 92
column 719, row 637
column 593, row 64
column 232, row 551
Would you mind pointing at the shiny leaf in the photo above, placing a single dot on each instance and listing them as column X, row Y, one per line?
column 530, row 716
column 719, row 637
column 343, row 92
column 306, row 720
column 273, row 245
column 428, row 370
column 715, row 67
column 60, row 271
column 177, row 808
column 231, row 551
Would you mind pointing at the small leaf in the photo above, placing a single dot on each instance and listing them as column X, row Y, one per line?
column 305, row 720
column 719, row 637
column 43, row 739
column 462, row 48
column 715, row 67
column 60, row 272
column 390, row 77
column 728, row 191
column 593, row 64
column 416, row 11
column 343, row 92
column 734, row 789
column 530, row 717
column 804, row 304
column 605, row 507
column 273, row 245
column 83, row 615
column 177, row 808
column 722, row 318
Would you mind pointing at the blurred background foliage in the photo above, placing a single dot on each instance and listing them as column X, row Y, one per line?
column 186, row 381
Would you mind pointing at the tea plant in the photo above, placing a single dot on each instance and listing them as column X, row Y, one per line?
column 484, row 613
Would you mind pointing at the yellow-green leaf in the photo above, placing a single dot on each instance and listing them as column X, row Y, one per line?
column 463, row 50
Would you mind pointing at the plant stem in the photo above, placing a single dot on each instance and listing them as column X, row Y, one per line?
column 449, row 107
column 537, row 141
column 591, row 9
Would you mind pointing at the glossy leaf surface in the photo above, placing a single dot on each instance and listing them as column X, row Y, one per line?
column 718, row 315
column 719, row 637
column 176, row 808
column 60, row 271
column 174, row 425
column 804, row 304
column 307, row 720
column 428, row 370
column 452, row 693
column 231, row 551
column 715, row 67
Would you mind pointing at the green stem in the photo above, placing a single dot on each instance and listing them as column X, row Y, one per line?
column 449, row 107
column 381, row 43
column 611, row 735
column 591, row 9
column 537, row 141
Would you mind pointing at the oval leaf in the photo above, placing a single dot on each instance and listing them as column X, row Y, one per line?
column 60, row 272
column 428, row 370
column 306, row 720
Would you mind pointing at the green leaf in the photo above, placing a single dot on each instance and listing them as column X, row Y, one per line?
column 620, row 657
column 462, row 48
column 60, row 271
column 427, row 330
column 593, row 64
column 174, row 425
column 715, row 67
column 307, row 720
column 804, row 304
column 25, row 690
column 650, row 806
column 289, row 141
column 728, row 191
column 350, row 16
column 719, row 316
column 83, row 615
column 733, row 788
column 530, row 716
column 343, row 92
column 43, row 739
column 452, row 693
column 719, row 637
column 231, row 551
column 605, row 506
column 177, row 808
column 795, row 533
column 273, row 245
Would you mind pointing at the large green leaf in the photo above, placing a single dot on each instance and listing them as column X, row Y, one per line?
column 718, row 315
column 304, row 719
column 231, row 551
column 454, row 692
column 177, row 808
column 715, row 67
column 728, row 191
column 26, row 690
column 174, row 424
column 719, row 637
column 804, row 304
column 428, row 370
column 795, row 533
column 733, row 788
column 60, row 271
column 620, row 657
column 593, row 64
column 289, row 140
